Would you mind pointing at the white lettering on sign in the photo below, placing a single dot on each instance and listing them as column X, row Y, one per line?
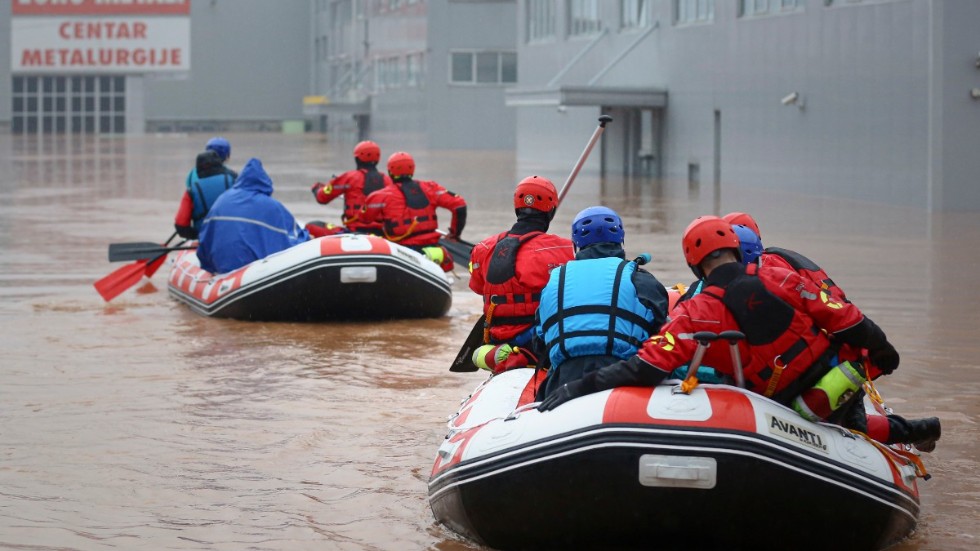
column 101, row 57
column 102, row 29
column 117, row 44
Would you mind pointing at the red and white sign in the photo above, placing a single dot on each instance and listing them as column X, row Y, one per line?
column 101, row 7
column 99, row 44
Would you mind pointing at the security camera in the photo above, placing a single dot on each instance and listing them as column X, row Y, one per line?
column 791, row 99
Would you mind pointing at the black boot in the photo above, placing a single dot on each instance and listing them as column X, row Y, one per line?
column 921, row 433
column 851, row 414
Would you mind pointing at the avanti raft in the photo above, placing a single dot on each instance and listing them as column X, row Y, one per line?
column 719, row 468
column 342, row 277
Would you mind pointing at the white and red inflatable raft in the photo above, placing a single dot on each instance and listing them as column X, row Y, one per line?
column 341, row 277
column 653, row 468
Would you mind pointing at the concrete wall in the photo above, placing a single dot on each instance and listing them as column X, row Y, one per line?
column 440, row 115
column 5, row 83
column 461, row 116
column 399, row 115
column 955, row 130
column 250, row 60
column 884, row 83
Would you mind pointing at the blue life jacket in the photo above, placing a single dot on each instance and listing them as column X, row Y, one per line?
column 204, row 192
column 590, row 307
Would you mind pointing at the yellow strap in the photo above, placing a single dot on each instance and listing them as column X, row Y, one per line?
column 486, row 323
column 690, row 383
column 777, row 372
column 408, row 232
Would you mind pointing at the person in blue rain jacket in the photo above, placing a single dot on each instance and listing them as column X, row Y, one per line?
column 246, row 224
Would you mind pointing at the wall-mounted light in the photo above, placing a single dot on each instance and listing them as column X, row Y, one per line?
column 978, row 61
column 793, row 98
column 562, row 109
column 975, row 93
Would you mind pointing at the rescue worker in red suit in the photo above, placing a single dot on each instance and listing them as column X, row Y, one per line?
column 355, row 185
column 792, row 335
column 510, row 269
column 790, row 260
column 881, row 428
column 406, row 211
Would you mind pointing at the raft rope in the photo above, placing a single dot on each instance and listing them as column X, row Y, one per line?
column 879, row 404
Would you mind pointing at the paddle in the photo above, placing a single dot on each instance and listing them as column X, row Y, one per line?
column 140, row 251
column 117, row 282
column 464, row 359
column 459, row 248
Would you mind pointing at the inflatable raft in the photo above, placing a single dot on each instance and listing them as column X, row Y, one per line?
column 653, row 468
column 341, row 277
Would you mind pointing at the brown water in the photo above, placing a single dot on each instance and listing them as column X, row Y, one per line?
column 139, row 425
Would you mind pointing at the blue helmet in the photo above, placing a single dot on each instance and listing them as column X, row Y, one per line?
column 597, row 225
column 220, row 146
column 749, row 242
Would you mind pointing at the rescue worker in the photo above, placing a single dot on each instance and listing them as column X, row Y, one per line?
column 406, row 211
column 751, row 248
column 785, row 258
column 598, row 308
column 510, row 269
column 817, row 403
column 246, row 223
column 355, row 185
column 204, row 183
column 792, row 333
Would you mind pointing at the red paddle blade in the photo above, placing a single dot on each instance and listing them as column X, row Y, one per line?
column 118, row 281
column 154, row 265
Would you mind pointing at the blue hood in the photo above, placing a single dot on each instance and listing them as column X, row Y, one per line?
column 254, row 178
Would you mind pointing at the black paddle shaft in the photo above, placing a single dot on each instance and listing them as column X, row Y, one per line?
column 119, row 252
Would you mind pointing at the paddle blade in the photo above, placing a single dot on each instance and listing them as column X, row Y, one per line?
column 464, row 359
column 459, row 249
column 114, row 284
column 154, row 265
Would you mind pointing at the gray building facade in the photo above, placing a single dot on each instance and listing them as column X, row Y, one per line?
column 419, row 73
column 873, row 100
column 233, row 65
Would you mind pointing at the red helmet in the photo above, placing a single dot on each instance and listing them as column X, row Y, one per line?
column 536, row 192
column 705, row 235
column 740, row 218
column 367, row 152
column 401, row 164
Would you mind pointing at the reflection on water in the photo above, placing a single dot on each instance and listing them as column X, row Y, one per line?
column 140, row 424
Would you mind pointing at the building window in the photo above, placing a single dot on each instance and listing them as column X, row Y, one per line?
column 583, row 17
column 635, row 14
column 540, row 20
column 414, row 70
column 752, row 8
column 483, row 68
column 388, row 73
column 694, row 11
column 63, row 104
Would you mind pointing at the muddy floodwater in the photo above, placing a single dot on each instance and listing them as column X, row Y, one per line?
column 138, row 424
